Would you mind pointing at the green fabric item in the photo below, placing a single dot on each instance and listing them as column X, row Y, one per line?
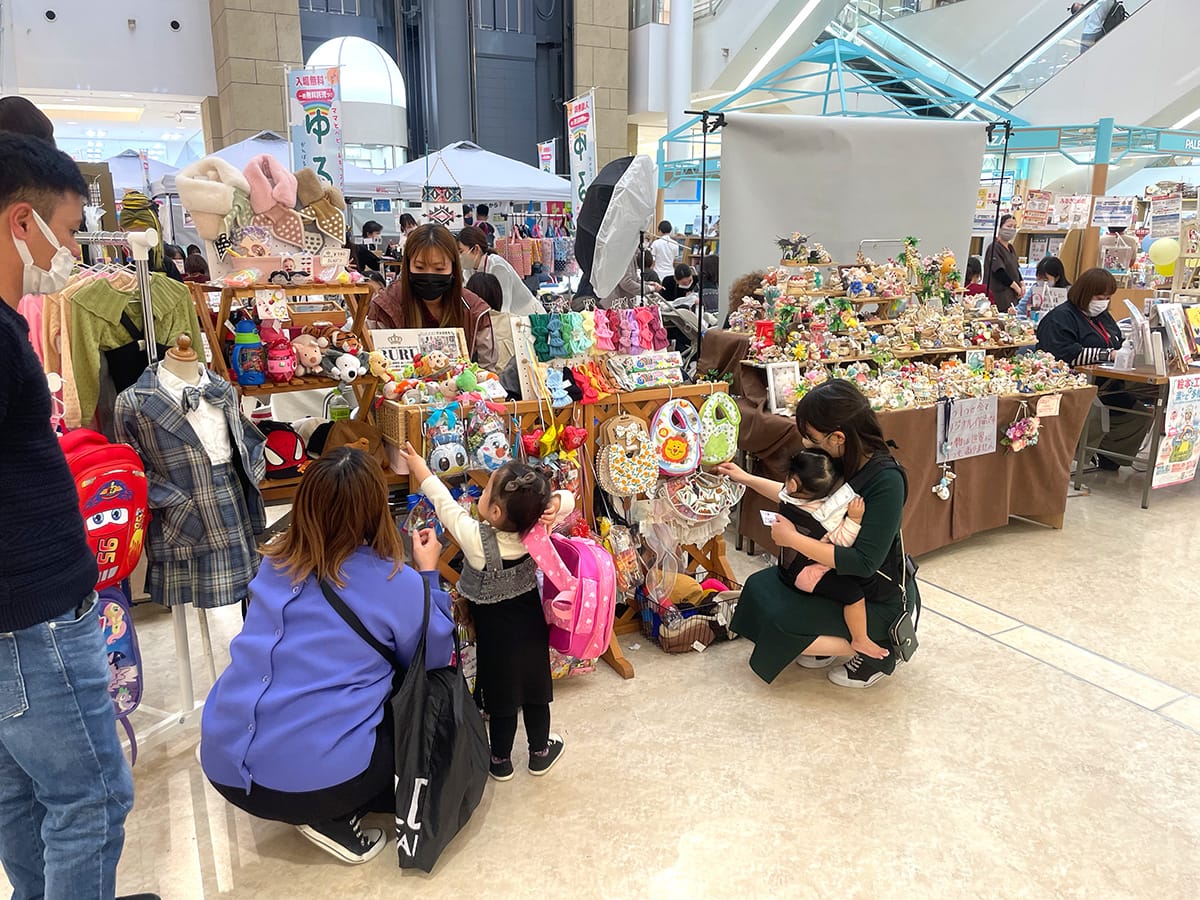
column 96, row 326
column 782, row 621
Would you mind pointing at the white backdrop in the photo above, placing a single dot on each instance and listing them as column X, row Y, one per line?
column 841, row 180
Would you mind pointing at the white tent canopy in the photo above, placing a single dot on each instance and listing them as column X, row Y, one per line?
column 483, row 176
column 129, row 175
column 358, row 182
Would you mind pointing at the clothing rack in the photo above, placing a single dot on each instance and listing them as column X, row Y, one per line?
column 139, row 244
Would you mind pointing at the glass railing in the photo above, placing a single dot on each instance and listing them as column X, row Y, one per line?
column 885, row 10
column 1051, row 55
column 857, row 25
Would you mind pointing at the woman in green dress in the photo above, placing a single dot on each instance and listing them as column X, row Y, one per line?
column 785, row 623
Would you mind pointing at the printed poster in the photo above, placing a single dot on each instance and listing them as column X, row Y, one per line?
column 1073, row 211
column 1113, row 212
column 581, row 143
column 400, row 345
column 966, row 428
column 1166, row 213
column 1038, row 206
column 315, row 100
column 1179, row 449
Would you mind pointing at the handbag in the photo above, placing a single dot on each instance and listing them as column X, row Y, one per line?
column 903, row 631
column 442, row 751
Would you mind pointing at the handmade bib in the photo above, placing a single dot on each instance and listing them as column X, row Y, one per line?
column 720, row 420
column 676, row 437
column 627, row 463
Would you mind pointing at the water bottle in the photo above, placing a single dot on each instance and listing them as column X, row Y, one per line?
column 339, row 407
column 1123, row 359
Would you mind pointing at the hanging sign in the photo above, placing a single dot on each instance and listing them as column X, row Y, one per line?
column 1038, row 206
column 315, row 100
column 581, row 142
column 548, row 156
column 1166, row 213
column 967, row 428
column 1073, row 211
column 1113, row 212
column 1180, row 448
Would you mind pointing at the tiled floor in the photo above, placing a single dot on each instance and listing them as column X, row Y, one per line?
column 1045, row 742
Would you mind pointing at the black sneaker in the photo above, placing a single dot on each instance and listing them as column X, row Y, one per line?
column 1107, row 463
column 856, row 673
column 540, row 765
column 345, row 839
column 501, row 771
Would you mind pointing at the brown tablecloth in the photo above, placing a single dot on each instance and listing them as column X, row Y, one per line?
column 988, row 490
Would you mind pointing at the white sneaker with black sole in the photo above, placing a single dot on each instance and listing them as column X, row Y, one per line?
column 540, row 765
column 346, row 839
column 854, row 674
column 815, row 662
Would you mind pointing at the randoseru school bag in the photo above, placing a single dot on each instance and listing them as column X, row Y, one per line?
column 579, row 591
column 114, row 501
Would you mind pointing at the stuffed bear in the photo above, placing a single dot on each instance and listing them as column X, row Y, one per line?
column 309, row 353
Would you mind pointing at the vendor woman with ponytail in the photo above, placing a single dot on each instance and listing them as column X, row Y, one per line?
column 429, row 294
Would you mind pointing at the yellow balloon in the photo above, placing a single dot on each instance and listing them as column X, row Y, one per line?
column 1164, row 251
column 1166, row 271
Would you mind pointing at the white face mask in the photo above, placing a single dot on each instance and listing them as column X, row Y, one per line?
column 1096, row 307
column 36, row 279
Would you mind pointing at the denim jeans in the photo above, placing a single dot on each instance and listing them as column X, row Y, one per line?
column 65, row 788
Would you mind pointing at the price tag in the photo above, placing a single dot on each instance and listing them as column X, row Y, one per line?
column 1048, row 406
column 271, row 304
column 335, row 256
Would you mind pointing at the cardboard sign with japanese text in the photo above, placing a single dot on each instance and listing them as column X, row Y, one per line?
column 1180, row 447
column 966, row 428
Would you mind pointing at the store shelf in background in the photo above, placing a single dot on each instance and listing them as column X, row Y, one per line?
column 303, row 383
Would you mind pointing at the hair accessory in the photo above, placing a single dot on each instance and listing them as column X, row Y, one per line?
column 528, row 479
column 554, row 330
column 603, row 330
column 539, row 324
column 558, row 391
column 588, row 320
column 658, row 331
column 642, row 315
column 586, row 384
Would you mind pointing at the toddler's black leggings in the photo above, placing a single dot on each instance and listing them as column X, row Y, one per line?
column 537, row 730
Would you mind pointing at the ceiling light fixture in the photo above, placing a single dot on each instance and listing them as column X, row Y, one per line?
column 784, row 36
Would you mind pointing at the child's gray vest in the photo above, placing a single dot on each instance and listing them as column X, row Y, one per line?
column 496, row 583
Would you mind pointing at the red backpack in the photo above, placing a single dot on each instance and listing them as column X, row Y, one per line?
column 113, row 497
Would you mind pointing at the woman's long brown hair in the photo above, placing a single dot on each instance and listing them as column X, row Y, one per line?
column 438, row 239
column 342, row 505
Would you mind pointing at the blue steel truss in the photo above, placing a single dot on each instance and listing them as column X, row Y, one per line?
column 830, row 76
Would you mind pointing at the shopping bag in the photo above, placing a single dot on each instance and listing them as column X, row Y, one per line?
column 442, row 750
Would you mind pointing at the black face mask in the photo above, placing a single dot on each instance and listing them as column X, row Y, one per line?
column 429, row 287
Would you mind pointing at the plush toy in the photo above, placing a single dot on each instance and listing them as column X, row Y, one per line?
column 433, row 363
column 390, row 385
column 345, row 367
column 309, row 352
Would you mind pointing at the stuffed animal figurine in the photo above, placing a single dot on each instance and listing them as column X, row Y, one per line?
column 345, row 367
column 390, row 385
column 309, row 352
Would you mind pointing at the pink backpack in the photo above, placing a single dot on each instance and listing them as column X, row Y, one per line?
column 579, row 592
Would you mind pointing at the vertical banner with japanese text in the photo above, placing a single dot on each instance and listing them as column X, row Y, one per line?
column 548, row 156
column 315, row 99
column 581, row 143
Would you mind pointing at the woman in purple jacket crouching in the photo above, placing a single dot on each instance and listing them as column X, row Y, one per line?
column 298, row 728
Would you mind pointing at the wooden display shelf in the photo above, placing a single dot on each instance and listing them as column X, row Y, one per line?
column 299, row 383
column 899, row 354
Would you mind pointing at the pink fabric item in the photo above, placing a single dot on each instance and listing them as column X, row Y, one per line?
column 271, row 184
column 809, row 576
column 711, row 584
column 31, row 308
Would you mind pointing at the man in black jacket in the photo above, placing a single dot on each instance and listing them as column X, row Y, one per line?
column 65, row 788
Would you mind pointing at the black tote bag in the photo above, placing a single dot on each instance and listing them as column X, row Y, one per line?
column 442, row 750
